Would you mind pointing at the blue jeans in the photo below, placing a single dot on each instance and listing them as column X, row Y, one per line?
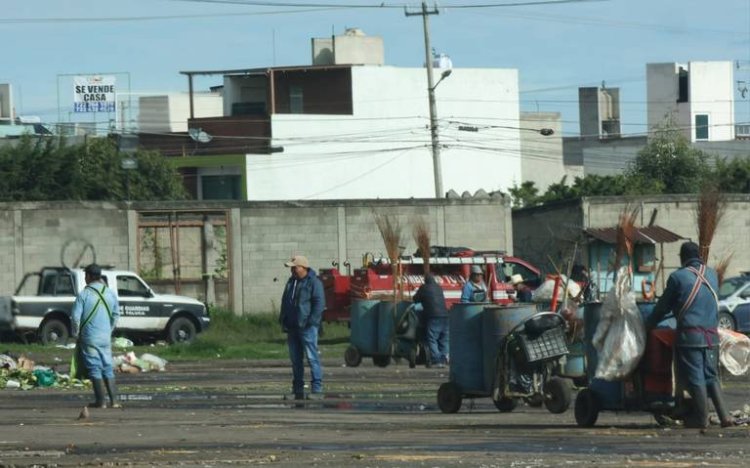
column 437, row 339
column 98, row 361
column 697, row 366
column 304, row 343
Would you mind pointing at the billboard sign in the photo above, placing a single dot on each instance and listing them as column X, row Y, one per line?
column 94, row 94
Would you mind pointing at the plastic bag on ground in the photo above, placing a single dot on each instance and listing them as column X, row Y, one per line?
column 734, row 351
column 122, row 343
column 620, row 337
column 157, row 363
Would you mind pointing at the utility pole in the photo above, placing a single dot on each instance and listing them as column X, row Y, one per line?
column 436, row 165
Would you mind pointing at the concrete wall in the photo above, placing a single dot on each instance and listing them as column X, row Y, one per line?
column 540, row 231
column 383, row 150
column 261, row 237
column 608, row 156
column 547, row 232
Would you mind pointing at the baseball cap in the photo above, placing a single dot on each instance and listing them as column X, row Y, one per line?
column 515, row 279
column 93, row 270
column 298, row 260
column 476, row 270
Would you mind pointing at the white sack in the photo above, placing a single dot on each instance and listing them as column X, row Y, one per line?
column 734, row 351
column 620, row 338
column 545, row 291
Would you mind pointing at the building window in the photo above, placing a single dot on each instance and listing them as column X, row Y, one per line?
column 221, row 187
column 701, row 126
column 296, row 102
column 682, row 86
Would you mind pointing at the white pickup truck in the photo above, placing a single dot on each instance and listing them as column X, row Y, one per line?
column 43, row 301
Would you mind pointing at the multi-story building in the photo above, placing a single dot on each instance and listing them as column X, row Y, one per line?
column 350, row 127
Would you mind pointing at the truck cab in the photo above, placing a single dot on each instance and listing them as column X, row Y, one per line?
column 43, row 301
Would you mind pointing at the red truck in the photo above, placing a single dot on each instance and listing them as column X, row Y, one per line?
column 375, row 278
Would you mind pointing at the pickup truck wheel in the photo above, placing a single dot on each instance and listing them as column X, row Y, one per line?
column 53, row 331
column 181, row 330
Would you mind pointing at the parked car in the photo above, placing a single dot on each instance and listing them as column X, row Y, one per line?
column 734, row 303
column 43, row 302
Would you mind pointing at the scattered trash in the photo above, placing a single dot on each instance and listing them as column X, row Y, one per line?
column 734, row 351
column 7, row 362
column 122, row 343
column 66, row 346
column 84, row 413
column 12, row 384
column 132, row 364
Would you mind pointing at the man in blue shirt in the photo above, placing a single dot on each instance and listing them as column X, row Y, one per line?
column 435, row 318
column 691, row 296
column 93, row 319
column 302, row 306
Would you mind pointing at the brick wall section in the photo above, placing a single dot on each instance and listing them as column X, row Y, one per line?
column 542, row 231
column 7, row 248
column 549, row 231
column 263, row 235
column 677, row 213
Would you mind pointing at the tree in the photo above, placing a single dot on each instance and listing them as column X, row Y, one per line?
column 526, row 195
column 670, row 163
column 48, row 169
column 733, row 176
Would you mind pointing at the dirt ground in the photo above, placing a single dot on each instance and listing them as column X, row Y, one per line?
column 215, row 413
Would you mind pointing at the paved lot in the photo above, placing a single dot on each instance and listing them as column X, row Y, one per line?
column 216, row 413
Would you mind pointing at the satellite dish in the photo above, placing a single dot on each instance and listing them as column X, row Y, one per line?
column 197, row 134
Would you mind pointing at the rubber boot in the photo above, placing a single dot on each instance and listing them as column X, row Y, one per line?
column 112, row 392
column 98, row 385
column 714, row 392
column 698, row 419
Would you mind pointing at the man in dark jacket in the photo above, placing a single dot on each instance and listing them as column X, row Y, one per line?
column 302, row 306
column 435, row 318
column 691, row 295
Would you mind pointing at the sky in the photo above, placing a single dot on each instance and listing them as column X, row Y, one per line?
column 556, row 48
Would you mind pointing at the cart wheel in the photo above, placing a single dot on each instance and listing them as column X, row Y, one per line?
column 505, row 404
column 535, row 401
column 587, row 408
column 381, row 361
column 557, row 395
column 352, row 358
column 449, row 398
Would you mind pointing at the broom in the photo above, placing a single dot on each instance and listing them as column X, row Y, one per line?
column 625, row 236
column 390, row 231
column 708, row 214
column 421, row 235
column 721, row 267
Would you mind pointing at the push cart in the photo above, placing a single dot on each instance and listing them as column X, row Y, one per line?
column 649, row 388
column 383, row 331
column 505, row 359
column 527, row 364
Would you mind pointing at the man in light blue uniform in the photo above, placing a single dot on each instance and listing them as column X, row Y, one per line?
column 94, row 316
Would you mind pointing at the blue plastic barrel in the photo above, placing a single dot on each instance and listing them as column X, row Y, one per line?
column 465, row 342
column 497, row 322
column 575, row 361
column 609, row 394
column 363, row 321
column 388, row 315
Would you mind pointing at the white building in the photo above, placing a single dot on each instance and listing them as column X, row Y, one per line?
column 699, row 96
column 381, row 149
column 349, row 127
